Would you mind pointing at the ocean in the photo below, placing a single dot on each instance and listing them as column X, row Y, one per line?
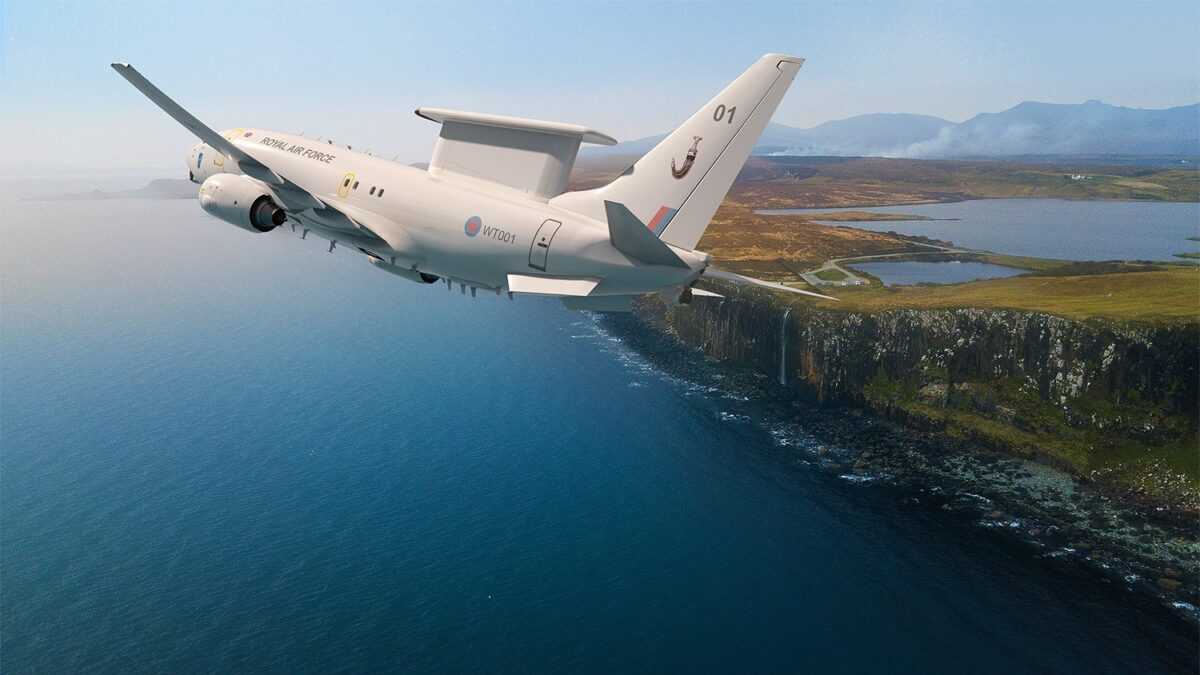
column 239, row 453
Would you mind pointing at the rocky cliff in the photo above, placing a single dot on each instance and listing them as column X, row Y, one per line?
column 1112, row 403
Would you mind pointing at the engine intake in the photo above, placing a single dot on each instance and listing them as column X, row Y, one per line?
column 241, row 201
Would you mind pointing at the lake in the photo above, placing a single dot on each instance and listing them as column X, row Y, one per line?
column 1048, row 228
column 239, row 453
column 908, row 272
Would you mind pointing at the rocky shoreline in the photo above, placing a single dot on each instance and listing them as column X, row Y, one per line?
column 1075, row 526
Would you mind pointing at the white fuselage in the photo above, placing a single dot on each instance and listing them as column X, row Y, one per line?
column 451, row 226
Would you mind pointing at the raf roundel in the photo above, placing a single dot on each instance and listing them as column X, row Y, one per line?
column 474, row 224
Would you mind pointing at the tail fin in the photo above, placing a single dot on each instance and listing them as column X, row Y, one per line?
column 676, row 187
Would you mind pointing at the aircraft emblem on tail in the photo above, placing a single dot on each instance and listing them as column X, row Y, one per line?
column 691, row 158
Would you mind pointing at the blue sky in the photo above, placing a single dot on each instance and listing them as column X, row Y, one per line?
column 355, row 71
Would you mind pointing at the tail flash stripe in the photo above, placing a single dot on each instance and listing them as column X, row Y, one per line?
column 660, row 220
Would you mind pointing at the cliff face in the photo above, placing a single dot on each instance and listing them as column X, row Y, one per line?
column 1103, row 399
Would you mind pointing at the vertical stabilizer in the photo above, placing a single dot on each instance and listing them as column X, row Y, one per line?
column 676, row 187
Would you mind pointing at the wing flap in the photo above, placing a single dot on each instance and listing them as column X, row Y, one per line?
column 558, row 286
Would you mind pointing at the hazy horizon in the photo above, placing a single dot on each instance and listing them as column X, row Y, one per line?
column 40, row 169
column 355, row 75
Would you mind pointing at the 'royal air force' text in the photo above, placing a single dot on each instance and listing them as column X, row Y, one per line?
column 298, row 149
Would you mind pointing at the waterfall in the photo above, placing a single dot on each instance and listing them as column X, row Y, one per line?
column 783, row 348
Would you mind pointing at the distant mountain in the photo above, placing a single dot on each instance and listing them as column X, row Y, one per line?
column 1091, row 128
column 888, row 134
column 161, row 188
column 1030, row 128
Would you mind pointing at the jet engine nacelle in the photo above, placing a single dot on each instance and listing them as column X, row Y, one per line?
column 241, row 201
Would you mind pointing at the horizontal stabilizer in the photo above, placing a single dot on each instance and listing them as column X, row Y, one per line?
column 631, row 237
column 601, row 303
column 715, row 273
column 701, row 293
column 561, row 286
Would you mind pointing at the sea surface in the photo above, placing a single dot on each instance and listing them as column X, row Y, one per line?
column 239, row 453
column 908, row 272
column 1048, row 228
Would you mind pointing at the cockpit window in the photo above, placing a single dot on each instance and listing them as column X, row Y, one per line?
column 199, row 159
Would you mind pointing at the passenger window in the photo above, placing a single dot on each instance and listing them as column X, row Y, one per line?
column 372, row 189
column 355, row 186
column 380, row 192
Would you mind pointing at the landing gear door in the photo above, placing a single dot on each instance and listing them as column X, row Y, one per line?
column 539, row 251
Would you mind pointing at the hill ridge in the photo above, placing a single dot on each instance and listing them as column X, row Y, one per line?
column 1025, row 129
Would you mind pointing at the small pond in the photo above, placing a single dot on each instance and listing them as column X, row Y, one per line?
column 1048, row 228
column 907, row 273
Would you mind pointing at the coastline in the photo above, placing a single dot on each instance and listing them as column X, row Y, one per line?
column 1076, row 526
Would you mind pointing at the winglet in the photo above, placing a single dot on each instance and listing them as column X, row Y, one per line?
column 630, row 236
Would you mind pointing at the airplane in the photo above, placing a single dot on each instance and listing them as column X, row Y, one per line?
column 492, row 212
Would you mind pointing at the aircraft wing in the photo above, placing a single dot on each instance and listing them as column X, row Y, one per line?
column 740, row 279
column 292, row 196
